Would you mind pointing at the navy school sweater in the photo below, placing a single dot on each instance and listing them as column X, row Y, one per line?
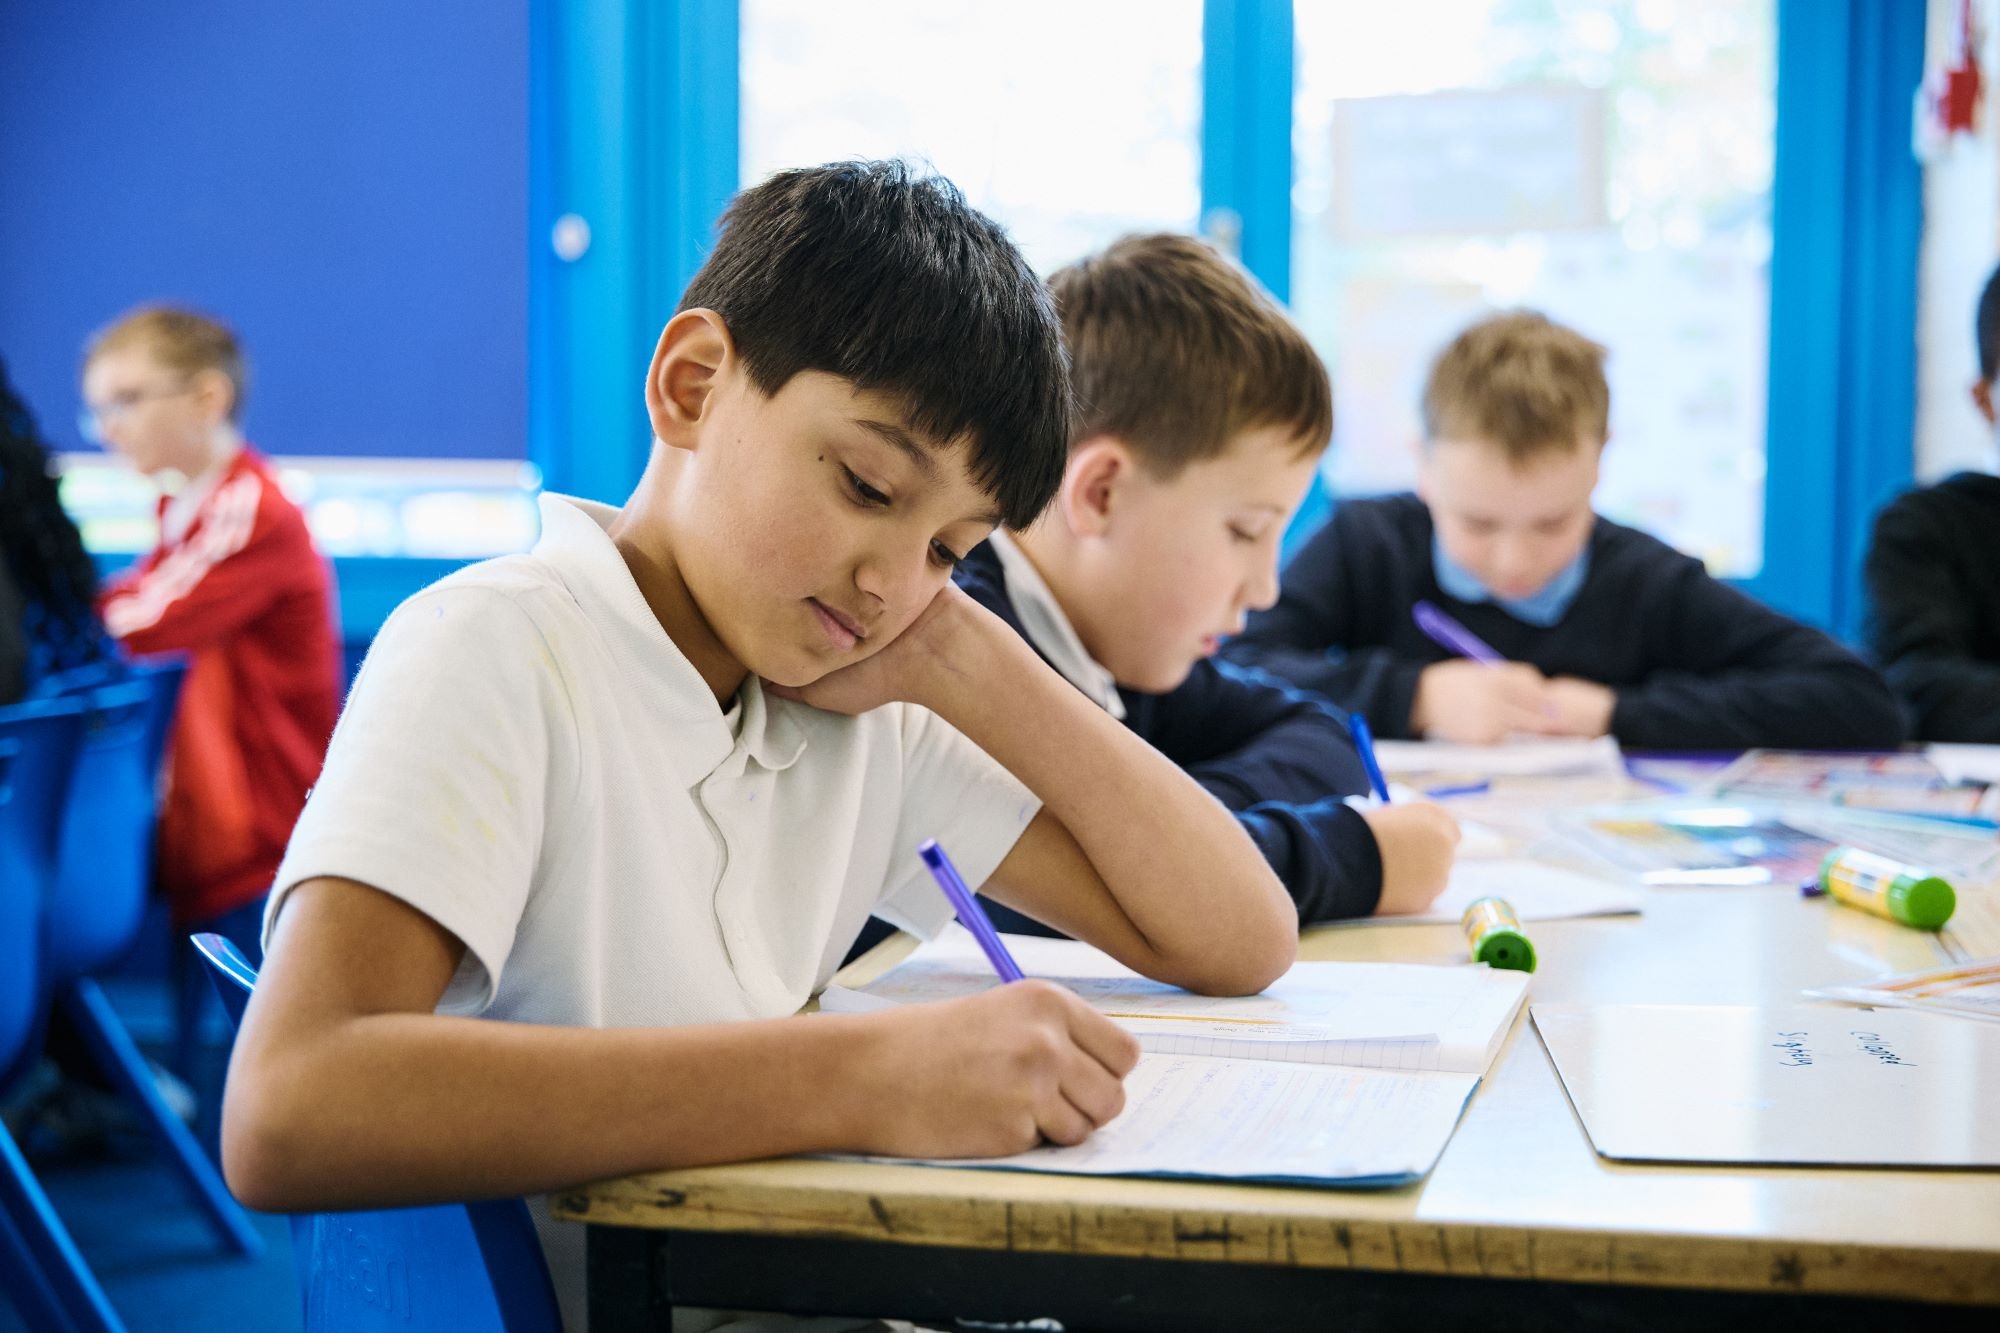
column 1278, row 757
column 1696, row 665
column 1934, row 605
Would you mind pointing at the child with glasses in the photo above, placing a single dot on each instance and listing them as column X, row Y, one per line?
column 235, row 583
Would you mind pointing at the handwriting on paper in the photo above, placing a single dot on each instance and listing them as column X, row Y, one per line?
column 1878, row 1046
column 1793, row 1044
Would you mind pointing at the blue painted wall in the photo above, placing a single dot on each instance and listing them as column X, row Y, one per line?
column 347, row 184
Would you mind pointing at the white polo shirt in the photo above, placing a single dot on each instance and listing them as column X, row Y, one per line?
column 528, row 760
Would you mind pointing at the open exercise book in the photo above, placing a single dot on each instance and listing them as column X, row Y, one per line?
column 1340, row 1073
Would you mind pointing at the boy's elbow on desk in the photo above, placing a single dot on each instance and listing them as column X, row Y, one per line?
column 1239, row 962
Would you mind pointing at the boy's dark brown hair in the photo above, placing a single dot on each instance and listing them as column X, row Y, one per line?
column 183, row 341
column 882, row 274
column 1176, row 351
column 1521, row 381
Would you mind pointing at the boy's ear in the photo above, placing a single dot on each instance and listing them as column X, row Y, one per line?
column 1099, row 469
column 693, row 349
column 215, row 393
column 1982, row 398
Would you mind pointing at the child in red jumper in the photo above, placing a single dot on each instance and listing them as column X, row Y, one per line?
column 234, row 583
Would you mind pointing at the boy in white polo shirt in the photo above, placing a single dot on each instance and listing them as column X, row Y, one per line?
column 637, row 790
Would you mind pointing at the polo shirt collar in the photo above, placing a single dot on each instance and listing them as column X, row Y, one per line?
column 576, row 543
column 1049, row 628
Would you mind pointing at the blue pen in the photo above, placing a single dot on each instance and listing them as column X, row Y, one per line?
column 970, row 914
column 1357, row 727
column 1445, row 793
column 1451, row 636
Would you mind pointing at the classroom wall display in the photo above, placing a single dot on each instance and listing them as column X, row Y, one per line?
column 346, row 184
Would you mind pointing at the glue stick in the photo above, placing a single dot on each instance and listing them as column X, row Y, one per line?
column 1494, row 933
column 1887, row 888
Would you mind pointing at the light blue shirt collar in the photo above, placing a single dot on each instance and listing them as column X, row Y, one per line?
column 1541, row 608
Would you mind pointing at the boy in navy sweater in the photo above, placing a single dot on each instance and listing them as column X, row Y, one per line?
column 1203, row 413
column 1934, row 582
column 1605, row 629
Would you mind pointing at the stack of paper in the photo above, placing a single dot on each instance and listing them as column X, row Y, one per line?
column 1971, row 990
column 1339, row 1072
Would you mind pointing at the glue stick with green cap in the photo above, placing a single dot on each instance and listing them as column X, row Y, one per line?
column 1494, row 933
column 1887, row 888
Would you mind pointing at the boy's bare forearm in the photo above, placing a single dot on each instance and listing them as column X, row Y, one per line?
column 1181, row 868
column 392, row 1108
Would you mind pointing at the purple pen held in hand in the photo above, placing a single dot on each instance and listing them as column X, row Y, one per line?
column 970, row 914
column 1448, row 634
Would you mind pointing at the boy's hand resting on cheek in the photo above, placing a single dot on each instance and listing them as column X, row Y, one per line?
column 992, row 1074
column 1473, row 703
column 934, row 653
column 1417, row 840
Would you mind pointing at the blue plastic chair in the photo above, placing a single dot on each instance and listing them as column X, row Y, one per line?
column 104, row 874
column 464, row 1267
column 45, row 1274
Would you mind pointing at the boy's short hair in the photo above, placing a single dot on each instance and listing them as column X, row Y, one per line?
column 1521, row 381
column 1176, row 351
column 887, row 278
column 182, row 340
column 1986, row 328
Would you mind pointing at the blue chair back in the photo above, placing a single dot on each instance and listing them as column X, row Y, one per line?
column 470, row 1267
column 106, row 859
column 38, row 744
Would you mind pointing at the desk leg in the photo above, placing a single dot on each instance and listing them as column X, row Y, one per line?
column 626, row 1272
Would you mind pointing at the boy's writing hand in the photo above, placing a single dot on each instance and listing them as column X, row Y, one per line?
column 1473, row 703
column 1577, row 707
column 994, row 1074
column 1417, row 840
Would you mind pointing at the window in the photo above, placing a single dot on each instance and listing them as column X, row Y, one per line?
column 1070, row 122
column 1605, row 161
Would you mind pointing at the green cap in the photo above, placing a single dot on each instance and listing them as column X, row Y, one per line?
column 1925, row 902
column 1508, row 949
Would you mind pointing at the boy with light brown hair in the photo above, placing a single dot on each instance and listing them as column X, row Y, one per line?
column 1604, row 629
column 1202, row 415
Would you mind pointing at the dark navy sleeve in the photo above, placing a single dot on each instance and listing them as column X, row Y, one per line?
column 1249, row 737
column 1733, row 673
column 1325, row 854
column 1281, row 758
column 1923, row 625
column 1314, row 637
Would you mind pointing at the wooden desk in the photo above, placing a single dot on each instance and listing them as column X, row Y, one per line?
column 1521, row 1225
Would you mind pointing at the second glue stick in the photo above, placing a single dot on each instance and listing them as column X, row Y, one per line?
column 1888, row 888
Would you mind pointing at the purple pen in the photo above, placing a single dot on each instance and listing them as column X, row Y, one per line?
column 1448, row 634
column 970, row 914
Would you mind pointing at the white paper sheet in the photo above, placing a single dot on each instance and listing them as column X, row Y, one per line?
column 1263, row 1120
column 1966, row 763
column 1536, row 890
column 1509, row 759
column 1797, row 1085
